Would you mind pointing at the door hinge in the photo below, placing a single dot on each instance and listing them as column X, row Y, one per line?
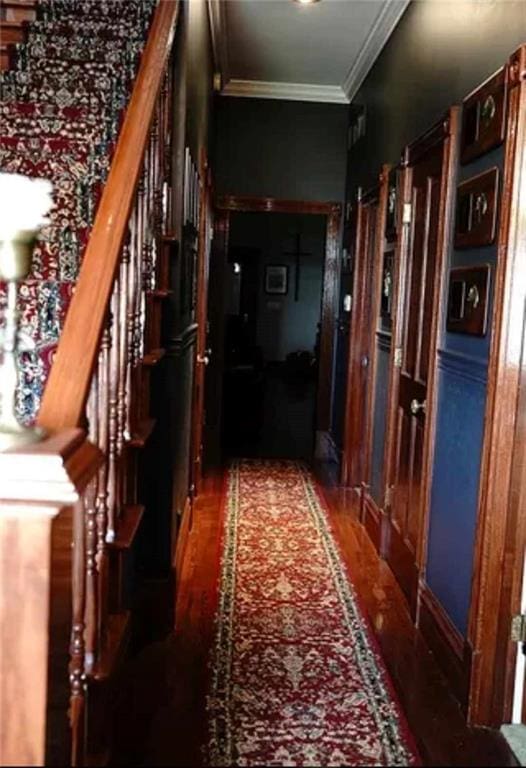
column 388, row 501
column 518, row 628
column 407, row 213
column 398, row 357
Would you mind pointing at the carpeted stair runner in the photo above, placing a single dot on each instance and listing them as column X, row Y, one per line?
column 295, row 675
column 62, row 107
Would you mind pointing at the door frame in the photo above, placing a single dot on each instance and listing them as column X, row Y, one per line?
column 501, row 525
column 200, row 355
column 225, row 205
column 372, row 514
column 445, row 131
column 353, row 469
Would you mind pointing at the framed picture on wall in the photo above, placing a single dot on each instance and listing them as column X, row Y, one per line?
column 276, row 279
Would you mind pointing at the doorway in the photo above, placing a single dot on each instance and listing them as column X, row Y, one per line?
column 273, row 284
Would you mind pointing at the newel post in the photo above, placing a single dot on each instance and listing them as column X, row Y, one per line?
column 37, row 484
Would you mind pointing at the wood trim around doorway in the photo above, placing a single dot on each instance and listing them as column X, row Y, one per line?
column 501, row 527
column 329, row 303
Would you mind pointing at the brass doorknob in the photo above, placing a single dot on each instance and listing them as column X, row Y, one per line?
column 417, row 406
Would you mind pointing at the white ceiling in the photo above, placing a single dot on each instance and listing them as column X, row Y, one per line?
column 282, row 49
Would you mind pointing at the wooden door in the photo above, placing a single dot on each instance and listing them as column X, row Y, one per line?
column 213, row 421
column 203, row 351
column 426, row 186
column 358, row 379
column 378, row 337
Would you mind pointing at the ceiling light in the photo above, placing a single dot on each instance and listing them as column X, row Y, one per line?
column 306, row 2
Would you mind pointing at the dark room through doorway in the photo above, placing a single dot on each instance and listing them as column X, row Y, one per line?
column 272, row 334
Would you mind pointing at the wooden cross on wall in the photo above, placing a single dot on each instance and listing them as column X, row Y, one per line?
column 297, row 253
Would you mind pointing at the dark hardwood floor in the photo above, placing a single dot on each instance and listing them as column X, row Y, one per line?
column 163, row 709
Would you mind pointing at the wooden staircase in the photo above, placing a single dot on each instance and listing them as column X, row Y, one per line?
column 85, row 509
column 14, row 18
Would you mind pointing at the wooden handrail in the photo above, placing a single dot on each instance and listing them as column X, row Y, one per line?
column 66, row 393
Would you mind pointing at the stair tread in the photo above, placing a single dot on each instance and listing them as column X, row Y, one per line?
column 14, row 23
column 141, row 433
column 128, row 526
column 153, row 357
column 13, row 31
column 117, row 635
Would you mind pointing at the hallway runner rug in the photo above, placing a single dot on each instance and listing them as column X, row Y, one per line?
column 296, row 678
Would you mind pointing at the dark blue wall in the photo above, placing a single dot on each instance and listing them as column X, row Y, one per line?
column 436, row 55
column 462, row 375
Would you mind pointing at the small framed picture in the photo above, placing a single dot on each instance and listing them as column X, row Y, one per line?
column 276, row 278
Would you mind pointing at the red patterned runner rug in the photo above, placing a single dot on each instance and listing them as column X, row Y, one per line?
column 296, row 679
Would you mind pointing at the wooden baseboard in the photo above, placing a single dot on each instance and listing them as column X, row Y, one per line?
column 374, row 521
column 354, row 501
column 182, row 538
column 451, row 650
column 401, row 562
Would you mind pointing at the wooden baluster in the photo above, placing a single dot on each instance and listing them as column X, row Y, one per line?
column 162, row 104
column 143, row 336
column 166, row 157
column 113, row 480
column 102, row 495
column 149, row 200
column 92, row 610
column 122, row 396
column 160, row 189
column 137, row 303
column 156, row 200
column 165, row 160
column 148, row 331
column 139, row 313
column 168, row 95
column 90, row 512
column 159, row 279
column 77, row 676
column 101, row 501
column 141, row 375
column 130, row 323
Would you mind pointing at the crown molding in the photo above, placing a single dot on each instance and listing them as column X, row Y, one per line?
column 218, row 33
column 382, row 29
column 261, row 89
column 387, row 20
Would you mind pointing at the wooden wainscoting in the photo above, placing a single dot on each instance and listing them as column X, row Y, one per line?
column 375, row 521
column 452, row 651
